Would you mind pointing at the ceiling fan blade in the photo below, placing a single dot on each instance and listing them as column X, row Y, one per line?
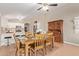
column 52, row 4
column 39, row 8
column 47, row 10
column 39, row 3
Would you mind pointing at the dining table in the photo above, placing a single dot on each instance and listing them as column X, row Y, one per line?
column 31, row 41
column 27, row 43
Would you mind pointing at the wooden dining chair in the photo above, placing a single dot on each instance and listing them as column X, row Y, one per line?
column 39, row 46
column 20, row 48
column 49, row 42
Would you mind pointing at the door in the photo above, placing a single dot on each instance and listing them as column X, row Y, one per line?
column 57, row 28
column 26, row 27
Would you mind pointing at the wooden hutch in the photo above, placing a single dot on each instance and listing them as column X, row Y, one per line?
column 57, row 28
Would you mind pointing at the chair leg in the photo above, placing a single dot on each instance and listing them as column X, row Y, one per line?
column 46, row 48
column 30, row 52
column 20, row 53
column 35, row 53
column 16, row 53
column 46, row 51
column 50, row 47
column 24, row 53
column 43, row 51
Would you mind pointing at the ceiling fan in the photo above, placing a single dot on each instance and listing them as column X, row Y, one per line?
column 45, row 6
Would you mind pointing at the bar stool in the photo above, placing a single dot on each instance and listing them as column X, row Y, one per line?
column 8, row 38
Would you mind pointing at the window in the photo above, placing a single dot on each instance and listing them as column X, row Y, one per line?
column 76, row 24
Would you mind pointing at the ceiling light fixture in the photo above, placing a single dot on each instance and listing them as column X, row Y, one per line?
column 20, row 17
column 45, row 8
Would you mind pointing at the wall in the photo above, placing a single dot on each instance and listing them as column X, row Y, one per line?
column 4, row 22
column 41, row 18
column 0, row 29
column 68, row 32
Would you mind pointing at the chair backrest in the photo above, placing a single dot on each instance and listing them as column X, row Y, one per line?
column 39, row 42
column 40, row 36
column 49, row 36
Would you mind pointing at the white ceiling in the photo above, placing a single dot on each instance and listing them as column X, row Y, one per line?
column 29, row 9
column 16, row 8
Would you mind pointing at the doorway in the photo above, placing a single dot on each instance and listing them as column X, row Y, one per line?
column 26, row 27
column 57, row 28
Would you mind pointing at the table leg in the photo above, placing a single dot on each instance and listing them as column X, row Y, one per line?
column 53, row 42
column 26, row 50
column 7, row 42
column 45, row 47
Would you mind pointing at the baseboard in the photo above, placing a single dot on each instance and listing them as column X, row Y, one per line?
column 71, row 43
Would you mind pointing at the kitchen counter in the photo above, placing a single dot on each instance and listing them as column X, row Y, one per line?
column 11, row 40
column 4, row 41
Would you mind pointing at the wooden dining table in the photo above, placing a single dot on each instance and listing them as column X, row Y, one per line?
column 27, row 43
column 31, row 41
